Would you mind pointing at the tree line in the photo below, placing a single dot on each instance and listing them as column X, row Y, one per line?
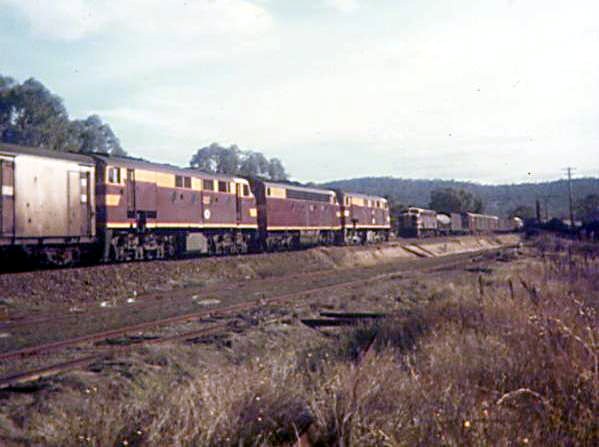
column 31, row 115
column 233, row 161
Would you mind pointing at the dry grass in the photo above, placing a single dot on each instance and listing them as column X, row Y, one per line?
column 508, row 358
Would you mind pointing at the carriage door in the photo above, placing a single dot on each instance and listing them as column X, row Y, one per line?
column 130, row 193
column 7, row 202
column 238, row 202
column 74, row 204
column 86, row 211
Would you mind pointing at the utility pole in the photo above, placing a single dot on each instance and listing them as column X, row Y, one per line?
column 569, row 171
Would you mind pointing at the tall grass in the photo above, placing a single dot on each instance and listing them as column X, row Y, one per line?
column 509, row 358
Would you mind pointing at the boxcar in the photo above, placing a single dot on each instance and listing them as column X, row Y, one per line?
column 291, row 216
column 363, row 218
column 480, row 223
column 418, row 222
column 46, row 203
column 148, row 210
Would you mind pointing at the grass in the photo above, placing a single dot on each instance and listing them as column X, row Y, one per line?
column 501, row 358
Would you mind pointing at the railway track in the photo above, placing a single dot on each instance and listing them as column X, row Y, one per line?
column 298, row 298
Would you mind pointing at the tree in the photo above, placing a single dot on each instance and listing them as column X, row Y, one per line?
column 523, row 212
column 276, row 170
column 31, row 115
column 233, row 161
column 587, row 209
column 450, row 200
column 217, row 159
column 95, row 136
column 254, row 164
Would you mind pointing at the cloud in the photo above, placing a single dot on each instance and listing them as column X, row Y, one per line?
column 480, row 91
column 180, row 20
column 344, row 6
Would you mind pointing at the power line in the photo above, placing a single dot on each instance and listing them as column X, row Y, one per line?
column 569, row 170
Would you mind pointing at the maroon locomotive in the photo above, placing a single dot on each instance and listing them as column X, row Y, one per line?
column 364, row 218
column 290, row 216
column 148, row 210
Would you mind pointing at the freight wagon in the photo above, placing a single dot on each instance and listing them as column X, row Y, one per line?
column 479, row 223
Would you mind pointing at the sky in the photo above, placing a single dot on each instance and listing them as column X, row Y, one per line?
column 493, row 91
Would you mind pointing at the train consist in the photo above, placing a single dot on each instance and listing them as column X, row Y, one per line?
column 60, row 206
column 419, row 222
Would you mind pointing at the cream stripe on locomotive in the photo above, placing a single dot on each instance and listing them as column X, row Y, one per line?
column 358, row 226
column 122, row 225
column 271, row 228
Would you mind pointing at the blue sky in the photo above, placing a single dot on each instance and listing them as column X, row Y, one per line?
column 490, row 91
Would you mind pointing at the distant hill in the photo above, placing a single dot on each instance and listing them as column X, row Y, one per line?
column 498, row 199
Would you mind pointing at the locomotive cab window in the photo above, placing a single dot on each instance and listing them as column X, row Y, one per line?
column 182, row 181
column 114, row 175
column 246, row 191
column 223, row 187
column 208, row 185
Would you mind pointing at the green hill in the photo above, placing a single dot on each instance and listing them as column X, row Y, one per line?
column 498, row 199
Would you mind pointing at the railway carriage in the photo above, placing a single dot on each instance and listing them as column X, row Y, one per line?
column 291, row 216
column 364, row 218
column 47, row 202
column 148, row 210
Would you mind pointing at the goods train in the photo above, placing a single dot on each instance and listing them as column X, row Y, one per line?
column 60, row 207
column 419, row 222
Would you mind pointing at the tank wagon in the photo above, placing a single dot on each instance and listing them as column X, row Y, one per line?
column 443, row 224
column 508, row 225
column 47, row 203
column 364, row 218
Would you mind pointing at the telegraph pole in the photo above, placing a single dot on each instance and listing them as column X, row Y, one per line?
column 569, row 171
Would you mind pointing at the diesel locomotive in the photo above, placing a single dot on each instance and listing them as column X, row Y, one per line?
column 61, row 206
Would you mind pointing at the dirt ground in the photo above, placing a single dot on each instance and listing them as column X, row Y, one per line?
column 67, row 288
